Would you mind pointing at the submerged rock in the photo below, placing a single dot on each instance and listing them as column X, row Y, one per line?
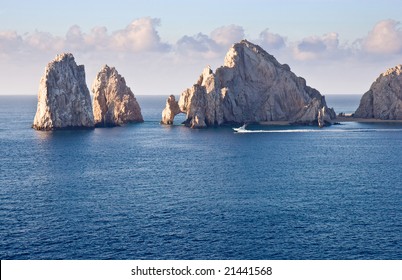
column 384, row 98
column 114, row 102
column 252, row 86
column 63, row 97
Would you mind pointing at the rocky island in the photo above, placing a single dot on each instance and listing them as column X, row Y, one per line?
column 63, row 97
column 383, row 101
column 114, row 102
column 251, row 87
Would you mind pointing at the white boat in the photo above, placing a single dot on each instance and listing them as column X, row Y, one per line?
column 240, row 129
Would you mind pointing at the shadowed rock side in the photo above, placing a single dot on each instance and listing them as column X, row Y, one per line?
column 384, row 98
column 63, row 97
column 114, row 102
column 252, row 86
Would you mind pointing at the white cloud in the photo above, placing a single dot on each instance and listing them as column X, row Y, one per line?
column 318, row 47
column 140, row 35
column 75, row 39
column 10, row 41
column 225, row 36
column 197, row 45
column 98, row 38
column 212, row 46
column 385, row 38
column 43, row 41
column 271, row 40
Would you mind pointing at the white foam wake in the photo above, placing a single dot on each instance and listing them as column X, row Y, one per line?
column 321, row 130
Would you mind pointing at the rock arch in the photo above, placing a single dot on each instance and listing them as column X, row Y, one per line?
column 171, row 110
column 251, row 86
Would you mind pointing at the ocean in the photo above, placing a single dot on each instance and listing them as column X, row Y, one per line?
column 148, row 191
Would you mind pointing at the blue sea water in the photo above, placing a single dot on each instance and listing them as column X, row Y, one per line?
column 147, row 191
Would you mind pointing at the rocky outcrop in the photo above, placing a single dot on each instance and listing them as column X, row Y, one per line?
column 252, row 86
column 384, row 98
column 63, row 98
column 114, row 102
column 171, row 110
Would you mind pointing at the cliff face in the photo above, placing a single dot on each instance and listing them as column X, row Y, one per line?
column 114, row 102
column 252, row 86
column 63, row 96
column 384, row 98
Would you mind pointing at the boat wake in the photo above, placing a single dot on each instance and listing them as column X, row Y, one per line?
column 240, row 130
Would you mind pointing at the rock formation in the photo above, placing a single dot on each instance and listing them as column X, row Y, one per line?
column 384, row 98
column 171, row 110
column 114, row 102
column 63, row 97
column 252, row 86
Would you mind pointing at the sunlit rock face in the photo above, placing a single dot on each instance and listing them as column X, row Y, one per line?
column 114, row 102
column 63, row 97
column 251, row 86
column 171, row 110
column 384, row 98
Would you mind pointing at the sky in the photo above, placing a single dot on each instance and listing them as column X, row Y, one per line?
column 161, row 46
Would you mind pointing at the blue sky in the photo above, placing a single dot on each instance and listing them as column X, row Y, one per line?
column 162, row 46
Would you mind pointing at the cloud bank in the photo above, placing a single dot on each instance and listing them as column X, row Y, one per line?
column 142, row 35
column 138, row 47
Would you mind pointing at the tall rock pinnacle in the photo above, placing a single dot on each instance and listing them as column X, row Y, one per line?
column 63, row 97
column 114, row 102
